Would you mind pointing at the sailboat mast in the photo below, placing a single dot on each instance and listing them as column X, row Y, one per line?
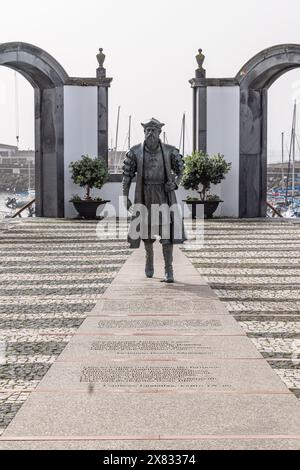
column 117, row 136
column 129, row 133
column 294, row 149
column 17, row 110
column 117, row 128
column 183, row 134
column 290, row 159
column 29, row 175
column 282, row 160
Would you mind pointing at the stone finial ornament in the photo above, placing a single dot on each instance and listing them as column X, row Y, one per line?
column 101, row 57
column 200, row 59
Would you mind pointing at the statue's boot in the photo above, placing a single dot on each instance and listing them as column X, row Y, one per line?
column 149, row 268
column 168, row 257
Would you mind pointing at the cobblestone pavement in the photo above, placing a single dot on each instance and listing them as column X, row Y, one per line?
column 52, row 272
column 254, row 268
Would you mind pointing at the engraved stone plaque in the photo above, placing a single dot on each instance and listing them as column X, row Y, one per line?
column 159, row 305
column 151, row 347
column 172, row 291
column 241, row 375
column 101, row 348
column 163, row 325
column 155, row 376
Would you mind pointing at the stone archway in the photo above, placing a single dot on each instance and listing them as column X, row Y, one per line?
column 48, row 78
column 254, row 79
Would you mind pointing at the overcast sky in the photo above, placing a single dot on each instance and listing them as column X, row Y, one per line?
column 150, row 51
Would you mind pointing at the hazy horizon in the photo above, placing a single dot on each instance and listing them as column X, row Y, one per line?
column 150, row 53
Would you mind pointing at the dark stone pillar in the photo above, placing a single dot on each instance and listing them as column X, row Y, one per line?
column 103, row 86
column 253, row 152
column 194, row 119
column 202, row 113
column 199, row 86
column 49, row 151
column 264, row 153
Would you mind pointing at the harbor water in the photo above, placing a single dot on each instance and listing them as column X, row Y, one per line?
column 21, row 200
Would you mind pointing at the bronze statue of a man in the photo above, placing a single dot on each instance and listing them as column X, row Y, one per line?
column 158, row 168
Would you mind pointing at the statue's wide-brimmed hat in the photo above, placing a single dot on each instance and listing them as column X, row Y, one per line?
column 153, row 123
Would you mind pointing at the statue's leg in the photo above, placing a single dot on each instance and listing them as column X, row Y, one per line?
column 149, row 268
column 168, row 257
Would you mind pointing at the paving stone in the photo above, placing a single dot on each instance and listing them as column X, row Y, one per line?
column 252, row 267
column 158, row 305
column 204, row 443
column 104, row 374
column 120, row 384
column 51, row 273
column 169, row 414
column 101, row 348
column 151, row 324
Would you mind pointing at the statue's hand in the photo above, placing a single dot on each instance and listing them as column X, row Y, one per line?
column 129, row 204
column 171, row 186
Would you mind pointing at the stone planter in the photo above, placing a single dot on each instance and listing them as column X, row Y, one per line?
column 88, row 209
column 210, row 207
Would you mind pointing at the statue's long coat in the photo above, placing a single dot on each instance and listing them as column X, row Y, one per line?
column 134, row 166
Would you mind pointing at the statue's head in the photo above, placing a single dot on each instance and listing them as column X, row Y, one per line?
column 152, row 130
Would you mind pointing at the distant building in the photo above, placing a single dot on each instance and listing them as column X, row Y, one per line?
column 115, row 160
column 10, row 155
column 17, row 167
column 8, row 150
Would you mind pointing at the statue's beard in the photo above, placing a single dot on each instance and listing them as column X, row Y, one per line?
column 152, row 142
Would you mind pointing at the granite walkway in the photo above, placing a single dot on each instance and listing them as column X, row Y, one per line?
column 158, row 366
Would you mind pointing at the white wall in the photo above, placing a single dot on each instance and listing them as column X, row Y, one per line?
column 223, row 117
column 80, row 128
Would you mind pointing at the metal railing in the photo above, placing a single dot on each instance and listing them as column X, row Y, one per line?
column 275, row 211
column 22, row 209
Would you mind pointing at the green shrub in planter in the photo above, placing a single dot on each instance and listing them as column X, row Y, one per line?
column 89, row 173
column 202, row 170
